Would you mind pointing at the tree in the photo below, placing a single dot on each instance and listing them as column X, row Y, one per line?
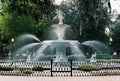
column 12, row 27
column 24, row 16
column 38, row 12
column 38, row 9
column 115, row 33
column 88, row 19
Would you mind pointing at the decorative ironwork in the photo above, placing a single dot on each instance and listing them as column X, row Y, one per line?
column 51, row 68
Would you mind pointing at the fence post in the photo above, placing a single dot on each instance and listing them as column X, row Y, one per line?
column 71, row 67
column 51, row 67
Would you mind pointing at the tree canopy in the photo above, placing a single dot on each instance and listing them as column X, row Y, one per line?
column 115, row 33
column 23, row 16
column 88, row 18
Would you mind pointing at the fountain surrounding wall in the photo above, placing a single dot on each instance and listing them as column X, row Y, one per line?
column 60, row 50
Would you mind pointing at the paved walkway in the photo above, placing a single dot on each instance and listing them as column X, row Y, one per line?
column 93, row 78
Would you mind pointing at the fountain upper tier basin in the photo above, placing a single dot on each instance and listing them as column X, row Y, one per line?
column 60, row 30
column 60, row 25
column 60, row 41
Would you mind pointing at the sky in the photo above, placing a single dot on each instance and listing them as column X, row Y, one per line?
column 58, row 2
column 115, row 4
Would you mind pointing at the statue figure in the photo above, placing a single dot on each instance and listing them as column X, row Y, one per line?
column 28, row 58
column 93, row 58
column 60, row 16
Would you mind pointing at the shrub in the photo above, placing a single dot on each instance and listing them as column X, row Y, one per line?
column 37, row 68
column 20, row 56
column 46, row 57
column 104, row 56
column 27, row 71
column 88, row 68
column 6, row 68
column 76, row 57
column 115, row 56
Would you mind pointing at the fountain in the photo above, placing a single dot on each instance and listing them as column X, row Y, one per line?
column 60, row 50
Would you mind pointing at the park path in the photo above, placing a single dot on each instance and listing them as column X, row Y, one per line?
column 93, row 78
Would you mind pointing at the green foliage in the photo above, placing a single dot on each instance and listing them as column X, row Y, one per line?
column 4, row 49
column 37, row 68
column 88, row 68
column 38, row 9
column 20, row 56
column 104, row 56
column 24, row 16
column 116, row 56
column 46, row 57
column 100, row 56
column 27, row 71
column 6, row 68
column 116, row 34
column 86, row 16
column 75, row 57
column 13, row 26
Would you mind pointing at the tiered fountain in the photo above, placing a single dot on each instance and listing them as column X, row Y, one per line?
column 59, row 50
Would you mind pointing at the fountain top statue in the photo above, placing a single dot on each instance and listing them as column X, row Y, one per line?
column 60, row 16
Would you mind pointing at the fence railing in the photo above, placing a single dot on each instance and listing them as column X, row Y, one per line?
column 51, row 68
